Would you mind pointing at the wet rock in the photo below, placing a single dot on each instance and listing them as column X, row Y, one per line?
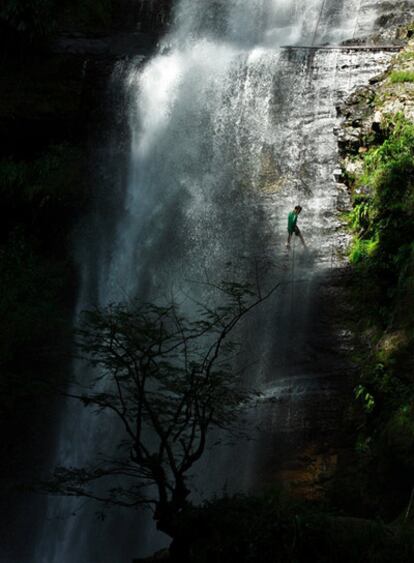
column 358, row 105
column 118, row 45
column 349, row 141
column 311, row 473
column 146, row 16
column 80, row 46
column 163, row 555
column 40, row 103
column 367, row 109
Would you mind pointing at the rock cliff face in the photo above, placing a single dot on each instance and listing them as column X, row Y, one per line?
column 44, row 97
column 304, row 427
column 376, row 148
column 365, row 111
column 154, row 15
column 53, row 111
column 390, row 17
column 58, row 97
column 310, row 428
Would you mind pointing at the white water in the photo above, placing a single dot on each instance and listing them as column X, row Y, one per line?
column 228, row 133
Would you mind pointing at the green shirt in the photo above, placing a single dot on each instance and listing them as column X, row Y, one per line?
column 292, row 219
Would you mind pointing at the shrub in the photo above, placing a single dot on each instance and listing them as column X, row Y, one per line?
column 383, row 253
column 384, row 219
column 362, row 250
column 54, row 177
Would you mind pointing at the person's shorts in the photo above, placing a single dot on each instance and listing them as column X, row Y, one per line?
column 295, row 230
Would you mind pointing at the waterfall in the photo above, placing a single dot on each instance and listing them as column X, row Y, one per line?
column 229, row 130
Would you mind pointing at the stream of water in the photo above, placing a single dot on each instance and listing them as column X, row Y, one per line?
column 229, row 130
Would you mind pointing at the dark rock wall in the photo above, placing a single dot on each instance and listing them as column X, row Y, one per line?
column 54, row 120
column 149, row 15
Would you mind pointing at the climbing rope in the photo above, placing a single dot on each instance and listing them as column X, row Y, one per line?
column 291, row 327
column 320, row 18
column 356, row 19
column 353, row 37
column 292, row 282
column 318, row 22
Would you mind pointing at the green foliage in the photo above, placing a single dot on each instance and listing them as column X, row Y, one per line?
column 35, row 328
column 275, row 529
column 29, row 286
column 39, row 19
column 399, row 433
column 55, row 173
column 398, row 76
column 405, row 55
column 40, row 197
column 384, row 220
column 33, row 307
column 45, row 187
column 34, row 18
column 243, row 529
column 365, row 397
column 363, row 444
column 383, row 255
column 360, row 218
column 362, row 251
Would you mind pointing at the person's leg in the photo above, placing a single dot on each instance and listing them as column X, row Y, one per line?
column 288, row 240
column 299, row 234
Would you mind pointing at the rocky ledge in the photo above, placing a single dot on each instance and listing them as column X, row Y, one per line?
column 365, row 111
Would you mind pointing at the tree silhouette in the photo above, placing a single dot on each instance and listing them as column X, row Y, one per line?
column 169, row 380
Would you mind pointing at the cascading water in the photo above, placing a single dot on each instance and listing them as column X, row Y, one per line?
column 228, row 132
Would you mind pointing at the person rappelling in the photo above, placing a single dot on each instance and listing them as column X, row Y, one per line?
column 292, row 226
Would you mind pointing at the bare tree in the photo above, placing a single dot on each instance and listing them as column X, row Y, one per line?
column 168, row 380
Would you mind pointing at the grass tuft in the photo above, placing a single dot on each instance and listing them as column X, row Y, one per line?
column 399, row 76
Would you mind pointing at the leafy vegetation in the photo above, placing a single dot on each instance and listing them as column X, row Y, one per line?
column 383, row 212
column 30, row 287
column 383, row 256
column 54, row 174
column 45, row 191
column 39, row 19
column 40, row 198
column 398, row 76
column 273, row 528
column 34, row 307
column 33, row 18
column 405, row 56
